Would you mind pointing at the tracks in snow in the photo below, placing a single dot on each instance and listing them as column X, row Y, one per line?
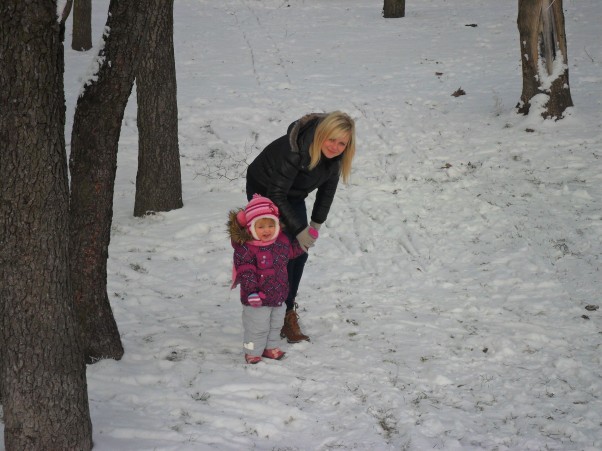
column 264, row 50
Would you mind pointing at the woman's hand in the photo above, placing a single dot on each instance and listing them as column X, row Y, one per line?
column 315, row 225
column 307, row 237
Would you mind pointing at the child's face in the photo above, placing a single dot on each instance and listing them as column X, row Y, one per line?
column 265, row 229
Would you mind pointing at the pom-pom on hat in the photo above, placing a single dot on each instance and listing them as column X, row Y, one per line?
column 258, row 208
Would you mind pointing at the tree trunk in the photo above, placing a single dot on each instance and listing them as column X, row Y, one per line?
column 394, row 8
column 93, row 162
column 66, row 11
column 159, row 182
column 544, row 56
column 43, row 375
column 82, row 25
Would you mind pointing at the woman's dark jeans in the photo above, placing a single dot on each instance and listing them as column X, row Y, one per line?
column 295, row 267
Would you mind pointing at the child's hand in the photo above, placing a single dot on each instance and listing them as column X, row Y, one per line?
column 254, row 300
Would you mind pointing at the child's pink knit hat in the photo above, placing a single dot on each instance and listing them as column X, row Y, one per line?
column 258, row 208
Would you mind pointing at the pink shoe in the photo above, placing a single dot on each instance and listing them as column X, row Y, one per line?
column 274, row 353
column 252, row 359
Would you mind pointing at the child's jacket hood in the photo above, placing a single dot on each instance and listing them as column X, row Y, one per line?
column 239, row 234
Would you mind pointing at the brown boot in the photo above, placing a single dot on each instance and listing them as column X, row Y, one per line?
column 291, row 330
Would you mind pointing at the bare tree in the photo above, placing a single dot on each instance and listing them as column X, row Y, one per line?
column 394, row 8
column 158, row 183
column 43, row 375
column 544, row 56
column 82, row 25
column 93, row 163
column 66, row 11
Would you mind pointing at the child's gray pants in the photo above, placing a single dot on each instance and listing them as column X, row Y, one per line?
column 261, row 327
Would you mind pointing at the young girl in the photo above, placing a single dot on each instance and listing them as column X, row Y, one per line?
column 261, row 254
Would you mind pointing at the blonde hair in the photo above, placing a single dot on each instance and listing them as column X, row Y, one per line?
column 334, row 125
column 262, row 220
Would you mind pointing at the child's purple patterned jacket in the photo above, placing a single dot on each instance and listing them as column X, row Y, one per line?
column 261, row 269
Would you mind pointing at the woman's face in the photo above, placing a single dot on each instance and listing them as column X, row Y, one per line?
column 335, row 145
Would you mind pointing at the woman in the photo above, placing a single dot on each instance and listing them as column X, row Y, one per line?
column 316, row 151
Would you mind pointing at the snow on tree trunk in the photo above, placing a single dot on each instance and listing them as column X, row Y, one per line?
column 93, row 162
column 544, row 57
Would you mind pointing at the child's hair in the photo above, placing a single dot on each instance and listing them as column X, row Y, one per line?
column 272, row 220
column 334, row 125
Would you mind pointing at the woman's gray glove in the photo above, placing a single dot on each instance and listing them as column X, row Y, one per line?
column 307, row 237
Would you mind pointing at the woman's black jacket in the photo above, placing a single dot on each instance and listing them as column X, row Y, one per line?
column 280, row 172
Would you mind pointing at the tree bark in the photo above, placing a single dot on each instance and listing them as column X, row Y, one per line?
column 82, row 25
column 543, row 42
column 66, row 11
column 158, row 182
column 43, row 375
column 393, row 9
column 93, row 163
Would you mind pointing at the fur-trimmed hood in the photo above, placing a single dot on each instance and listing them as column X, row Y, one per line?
column 239, row 234
column 299, row 126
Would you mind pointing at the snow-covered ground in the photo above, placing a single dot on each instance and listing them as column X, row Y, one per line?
column 451, row 298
